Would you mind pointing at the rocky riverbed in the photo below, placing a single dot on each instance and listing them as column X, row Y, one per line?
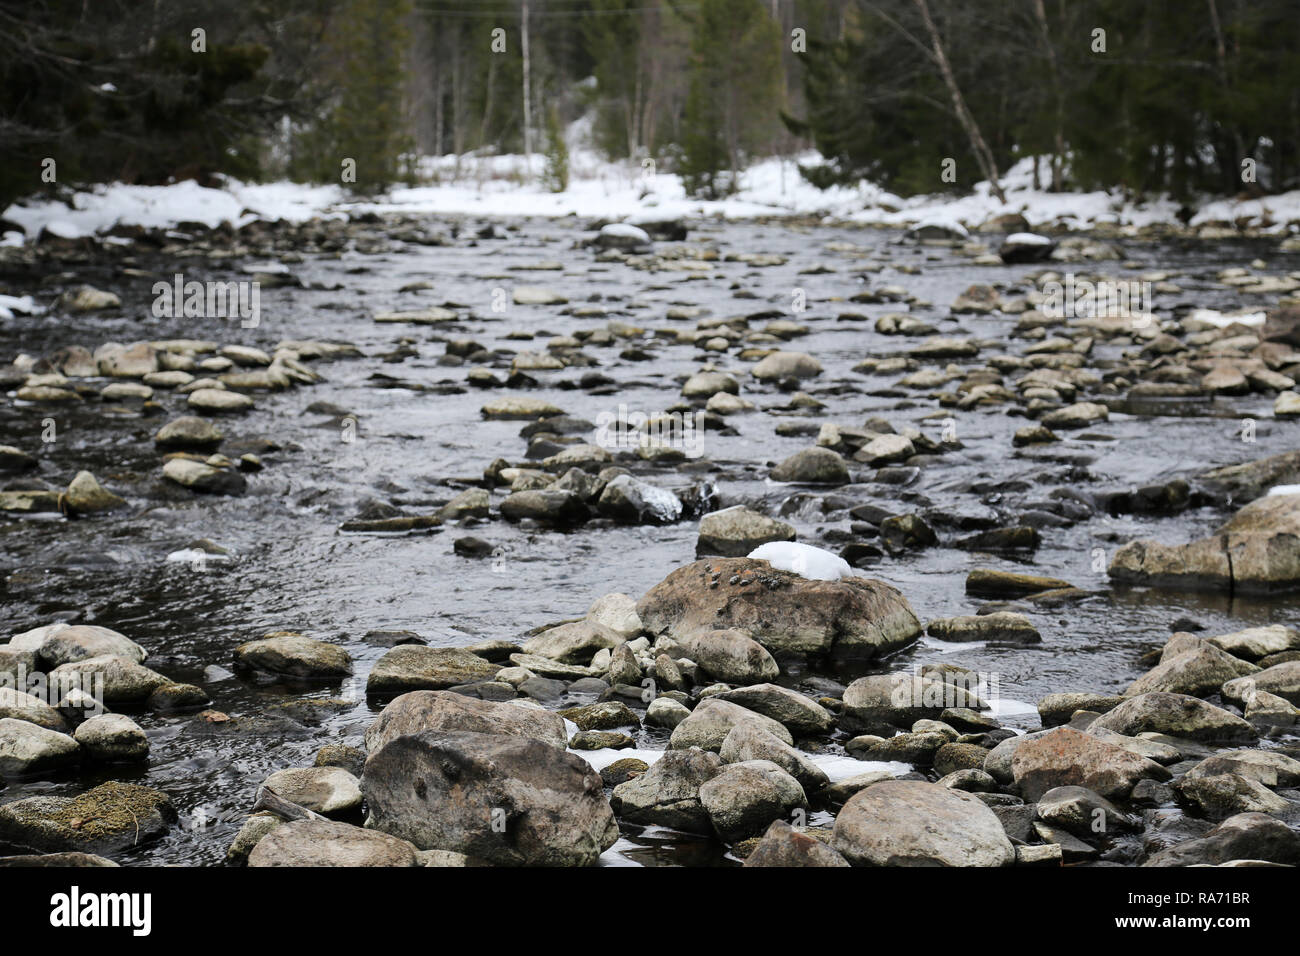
column 445, row 558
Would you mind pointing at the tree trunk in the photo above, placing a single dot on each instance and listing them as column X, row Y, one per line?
column 983, row 155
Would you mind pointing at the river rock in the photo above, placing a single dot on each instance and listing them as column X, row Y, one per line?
column 410, row 667
column 471, row 503
column 320, row 789
column 748, row 742
column 1056, row 709
column 617, row 613
column 784, row 846
column 713, row 719
column 552, row 505
column 736, row 531
column 448, row 711
column 573, row 643
column 729, row 655
column 1269, row 767
column 1082, row 812
column 998, row 626
column 85, row 495
column 330, row 843
column 18, row 705
column 294, row 655
column 505, row 800
column 203, row 477
column 1255, row 642
column 27, row 749
column 1066, row 757
column 65, row 643
column 124, row 681
column 900, row 700
column 798, row 713
column 1197, row 672
column 520, row 407
column 1257, row 551
column 1078, row 415
column 1246, row 836
column 604, row 715
column 111, row 817
column 666, row 712
column 1281, row 680
column 218, row 400
column 1176, row 715
column 126, row 361
column 1221, row 795
column 112, row 738
column 783, row 611
column 668, row 794
column 813, row 466
column 912, row 823
column 742, row 799
column 777, row 366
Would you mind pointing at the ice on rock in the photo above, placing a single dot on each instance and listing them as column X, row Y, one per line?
column 1283, row 490
column 816, row 564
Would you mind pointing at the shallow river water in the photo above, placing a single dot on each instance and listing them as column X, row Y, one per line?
column 421, row 439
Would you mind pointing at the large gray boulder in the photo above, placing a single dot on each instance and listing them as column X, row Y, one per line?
column 573, row 643
column 784, row 612
column 1257, row 551
column 504, row 800
column 409, row 667
column 743, row 798
column 734, row 532
column 782, row 845
column 1066, row 757
column 1197, row 672
column 729, row 655
column 27, row 749
column 713, row 719
column 329, row 843
column 1246, row 836
column 1176, row 715
column 442, row 710
column 747, row 742
column 294, row 655
column 913, row 823
column 801, row 715
column 668, row 794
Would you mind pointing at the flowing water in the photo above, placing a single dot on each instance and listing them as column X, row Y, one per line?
column 421, row 439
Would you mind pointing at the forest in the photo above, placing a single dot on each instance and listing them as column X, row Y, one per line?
column 1179, row 97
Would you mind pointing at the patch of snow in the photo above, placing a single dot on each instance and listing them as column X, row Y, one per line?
column 1279, row 490
column 1224, row 319
column 623, row 230
column 1027, row 239
column 11, row 305
column 816, row 564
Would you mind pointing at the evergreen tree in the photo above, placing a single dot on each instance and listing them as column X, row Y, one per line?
column 733, row 100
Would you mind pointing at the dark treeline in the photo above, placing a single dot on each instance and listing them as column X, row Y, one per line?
column 1177, row 96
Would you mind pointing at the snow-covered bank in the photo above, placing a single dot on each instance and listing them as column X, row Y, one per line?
column 507, row 186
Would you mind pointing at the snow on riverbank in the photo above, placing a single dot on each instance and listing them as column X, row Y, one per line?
column 507, row 186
